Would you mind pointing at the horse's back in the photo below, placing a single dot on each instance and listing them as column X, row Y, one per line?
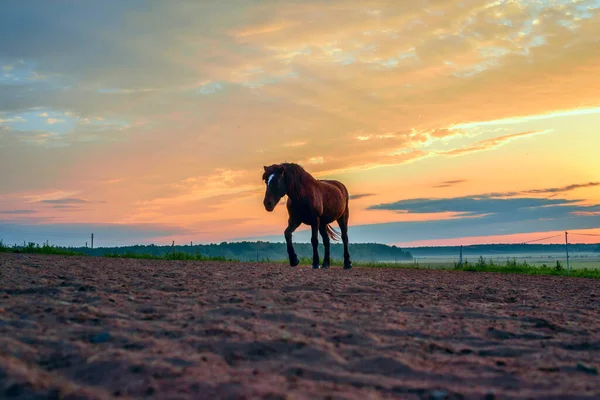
column 338, row 185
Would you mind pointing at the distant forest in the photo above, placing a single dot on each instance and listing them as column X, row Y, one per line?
column 252, row 251
column 501, row 249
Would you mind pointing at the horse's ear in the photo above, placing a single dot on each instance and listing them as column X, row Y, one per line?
column 265, row 167
column 281, row 169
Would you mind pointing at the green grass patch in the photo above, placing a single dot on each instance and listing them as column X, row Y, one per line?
column 481, row 265
column 34, row 248
column 170, row 256
column 366, row 264
column 515, row 267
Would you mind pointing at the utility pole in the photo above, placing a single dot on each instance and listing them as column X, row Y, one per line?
column 460, row 262
column 92, row 240
column 86, row 245
column 567, row 250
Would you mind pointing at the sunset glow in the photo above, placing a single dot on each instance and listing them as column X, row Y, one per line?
column 449, row 122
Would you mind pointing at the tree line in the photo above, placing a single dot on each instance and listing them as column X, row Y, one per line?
column 252, row 251
column 502, row 248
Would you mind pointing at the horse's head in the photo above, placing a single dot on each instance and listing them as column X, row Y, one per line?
column 276, row 188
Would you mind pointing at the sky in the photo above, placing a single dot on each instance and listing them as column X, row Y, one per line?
column 450, row 121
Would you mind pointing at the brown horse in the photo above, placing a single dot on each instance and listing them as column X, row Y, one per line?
column 310, row 201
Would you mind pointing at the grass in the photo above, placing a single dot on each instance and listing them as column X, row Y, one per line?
column 169, row 256
column 514, row 267
column 366, row 264
column 481, row 265
column 34, row 248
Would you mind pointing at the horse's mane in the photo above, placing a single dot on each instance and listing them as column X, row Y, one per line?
column 297, row 180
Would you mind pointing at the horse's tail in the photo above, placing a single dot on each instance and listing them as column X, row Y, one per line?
column 333, row 235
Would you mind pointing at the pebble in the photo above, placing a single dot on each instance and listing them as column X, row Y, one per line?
column 285, row 335
column 438, row 395
column 588, row 369
column 101, row 337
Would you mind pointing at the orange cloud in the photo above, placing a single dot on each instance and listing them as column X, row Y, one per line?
column 260, row 29
column 489, row 144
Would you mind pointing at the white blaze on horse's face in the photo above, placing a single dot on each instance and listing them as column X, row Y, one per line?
column 272, row 194
column 270, row 198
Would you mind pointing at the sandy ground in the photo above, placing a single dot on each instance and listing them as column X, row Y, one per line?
column 73, row 327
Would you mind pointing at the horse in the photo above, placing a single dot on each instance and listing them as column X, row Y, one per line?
column 314, row 202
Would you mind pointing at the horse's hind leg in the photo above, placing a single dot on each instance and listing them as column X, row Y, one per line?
column 326, row 244
column 343, row 223
column 314, row 240
column 292, row 226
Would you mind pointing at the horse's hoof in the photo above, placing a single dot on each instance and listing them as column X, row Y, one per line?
column 348, row 265
column 294, row 262
column 316, row 266
column 325, row 266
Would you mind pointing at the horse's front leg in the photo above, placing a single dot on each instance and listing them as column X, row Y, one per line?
column 292, row 226
column 314, row 240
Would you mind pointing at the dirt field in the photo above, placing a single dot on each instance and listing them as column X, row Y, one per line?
column 73, row 327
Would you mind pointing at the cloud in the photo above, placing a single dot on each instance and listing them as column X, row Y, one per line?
column 17, row 212
column 552, row 191
column 17, row 119
column 474, row 205
column 563, row 189
column 49, row 195
column 273, row 42
column 67, row 200
column 295, row 144
column 450, row 183
column 493, row 143
column 487, row 214
column 361, row 195
column 441, row 48
column 495, row 203
column 587, row 213
column 112, row 181
column 66, row 207
column 316, row 160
